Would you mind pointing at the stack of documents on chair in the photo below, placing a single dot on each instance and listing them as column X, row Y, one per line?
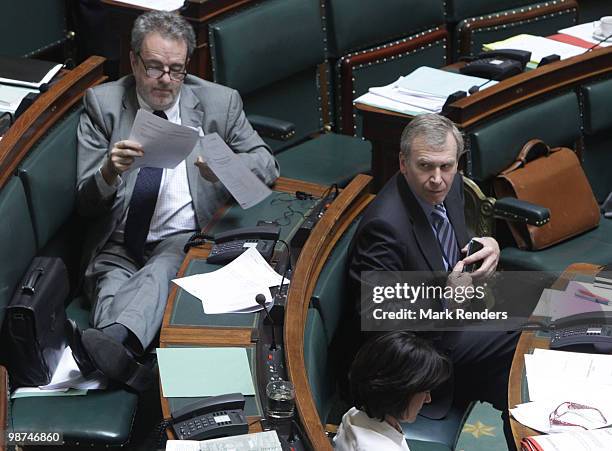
column 425, row 90
column 558, row 377
column 258, row 441
column 233, row 288
column 538, row 46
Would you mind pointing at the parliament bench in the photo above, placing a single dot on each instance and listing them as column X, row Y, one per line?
column 37, row 206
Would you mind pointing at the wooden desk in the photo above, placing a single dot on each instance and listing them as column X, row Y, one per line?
column 45, row 111
column 203, row 335
column 383, row 128
column 529, row 341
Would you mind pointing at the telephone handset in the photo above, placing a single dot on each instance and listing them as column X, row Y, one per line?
column 229, row 245
column 215, row 416
column 497, row 64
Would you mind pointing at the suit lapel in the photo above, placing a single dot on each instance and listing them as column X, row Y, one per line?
column 130, row 107
column 192, row 116
column 424, row 236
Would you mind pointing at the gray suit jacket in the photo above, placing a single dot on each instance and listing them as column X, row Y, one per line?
column 109, row 114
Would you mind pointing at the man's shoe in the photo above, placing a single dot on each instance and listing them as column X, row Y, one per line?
column 114, row 361
column 73, row 335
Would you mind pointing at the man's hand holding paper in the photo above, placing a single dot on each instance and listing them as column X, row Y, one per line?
column 164, row 143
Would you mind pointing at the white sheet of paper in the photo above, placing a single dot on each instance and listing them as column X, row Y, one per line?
column 67, row 375
column 165, row 144
column 233, row 287
column 585, row 31
column 160, row 5
column 246, row 188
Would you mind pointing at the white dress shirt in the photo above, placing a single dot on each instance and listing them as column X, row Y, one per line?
column 359, row 432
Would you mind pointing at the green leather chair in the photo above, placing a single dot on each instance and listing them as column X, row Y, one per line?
column 33, row 27
column 273, row 53
column 328, row 304
column 597, row 127
column 373, row 43
column 494, row 146
column 477, row 22
column 37, row 211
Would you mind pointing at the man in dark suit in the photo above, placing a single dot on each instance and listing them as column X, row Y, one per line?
column 141, row 219
column 416, row 223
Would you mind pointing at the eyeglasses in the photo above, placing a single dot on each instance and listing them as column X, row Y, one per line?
column 156, row 72
column 577, row 413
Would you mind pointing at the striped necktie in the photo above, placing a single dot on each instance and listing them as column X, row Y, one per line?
column 142, row 206
column 446, row 235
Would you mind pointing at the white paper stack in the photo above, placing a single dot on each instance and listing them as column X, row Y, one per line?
column 233, row 288
column 425, row 90
column 556, row 377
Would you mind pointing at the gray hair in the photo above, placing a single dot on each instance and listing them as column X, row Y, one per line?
column 434, row 129
column 168, row 24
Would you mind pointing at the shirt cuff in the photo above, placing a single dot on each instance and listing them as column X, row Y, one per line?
column 105, row 189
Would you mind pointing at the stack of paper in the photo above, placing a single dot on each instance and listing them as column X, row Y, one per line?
column 578, row 298
column 425, row 90
column 587, row 32
column 556, row 377
column 67, row 380
column 233, row 288
column 258, row 441
column 538, row 46
column 11, row 97
column 600, row 440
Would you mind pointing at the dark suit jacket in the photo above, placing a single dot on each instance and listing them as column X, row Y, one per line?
column 395, row 235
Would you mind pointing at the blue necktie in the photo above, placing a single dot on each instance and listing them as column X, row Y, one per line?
column 142, row 206
column 446, row 235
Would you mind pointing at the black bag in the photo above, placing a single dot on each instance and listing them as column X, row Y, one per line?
column 34, row 323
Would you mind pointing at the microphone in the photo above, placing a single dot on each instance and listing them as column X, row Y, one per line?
column 261, row 300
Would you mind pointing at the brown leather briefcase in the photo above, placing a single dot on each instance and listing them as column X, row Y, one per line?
column 552, row 178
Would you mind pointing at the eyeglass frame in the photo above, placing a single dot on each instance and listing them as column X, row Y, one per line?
column 553, row 417
column 171, row 73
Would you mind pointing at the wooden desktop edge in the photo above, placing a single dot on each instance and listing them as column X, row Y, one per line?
column 353, row 199
column 526, row 344
column 521, row 88
column 45, row 111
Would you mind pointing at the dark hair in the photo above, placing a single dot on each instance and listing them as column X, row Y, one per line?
column 390, row 369
column 168, row 24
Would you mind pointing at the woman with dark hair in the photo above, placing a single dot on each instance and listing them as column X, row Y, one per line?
column 390, row 379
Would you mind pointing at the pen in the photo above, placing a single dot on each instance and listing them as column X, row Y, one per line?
column 588, row 296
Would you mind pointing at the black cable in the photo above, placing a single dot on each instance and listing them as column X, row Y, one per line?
column 160, row 432
column 596, row 44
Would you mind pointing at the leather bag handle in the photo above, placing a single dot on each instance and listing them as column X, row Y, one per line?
column 534, row 148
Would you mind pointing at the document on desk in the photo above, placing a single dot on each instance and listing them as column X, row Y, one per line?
column 159, row 5
column 197, row 372
column 259, row 441
column 11, row 97
column 165, row 144
column 599, row 440
column 232, row 288
column 239, row 180
column 537, row 45
column 577, row 298
column 585, row 32
column 424, row 90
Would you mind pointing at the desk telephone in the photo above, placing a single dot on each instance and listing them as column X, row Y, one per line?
column 215, row 416
column 229, row 245
column 497, row 64
column 583, row 332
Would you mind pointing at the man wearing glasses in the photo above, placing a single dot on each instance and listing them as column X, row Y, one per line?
column 138, row 221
